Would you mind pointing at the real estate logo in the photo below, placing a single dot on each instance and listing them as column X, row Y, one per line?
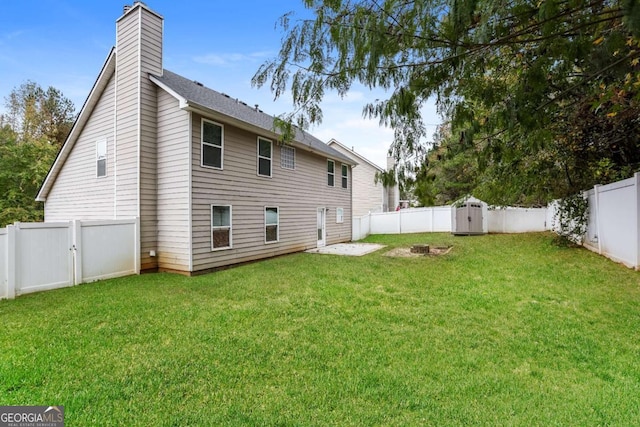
column 31, row 416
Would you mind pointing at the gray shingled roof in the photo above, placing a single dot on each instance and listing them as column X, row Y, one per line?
column 196, row 94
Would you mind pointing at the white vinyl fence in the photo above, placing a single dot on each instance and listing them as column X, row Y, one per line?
column 613, row 228
column 518, row 220
column 41, row 256
column 614, row 221
column 439, row 220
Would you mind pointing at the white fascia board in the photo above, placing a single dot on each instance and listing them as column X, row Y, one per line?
column 85, row 112
column 182, row 102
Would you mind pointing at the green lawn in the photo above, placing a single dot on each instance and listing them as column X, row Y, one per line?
column 504, row 330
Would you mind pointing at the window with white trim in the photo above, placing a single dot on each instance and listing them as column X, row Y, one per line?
column 339, row 215
column 331, row 174
column 265, row 153
column 271, row 224
column 101, row 158
column 220, row 227
column 212, row 144
column 345, row 176
column 287, row 157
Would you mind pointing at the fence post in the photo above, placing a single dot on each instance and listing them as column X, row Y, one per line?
column 596, row 198
column 77, row 251
column 137, row 244
column 11, row 261
column 637, row 235
column 433, row 212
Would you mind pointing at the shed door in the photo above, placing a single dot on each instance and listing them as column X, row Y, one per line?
column 469, row 219
column 462, row 219
column 475, row 213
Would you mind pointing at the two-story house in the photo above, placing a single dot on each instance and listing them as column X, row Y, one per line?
column 369, row 194
column 203, row 171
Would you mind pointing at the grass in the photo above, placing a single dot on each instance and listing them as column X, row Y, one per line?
column 504, row 330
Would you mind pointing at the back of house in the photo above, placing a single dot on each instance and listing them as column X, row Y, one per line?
column 204, row 172
column 369, row 193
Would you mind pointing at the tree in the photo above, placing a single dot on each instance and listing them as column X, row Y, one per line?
column 516, row 80
column 23, row 166
column 31, row 134
column 35, row 113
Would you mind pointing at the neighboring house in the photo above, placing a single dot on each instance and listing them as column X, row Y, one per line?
column 368, row 195
column 203, row 171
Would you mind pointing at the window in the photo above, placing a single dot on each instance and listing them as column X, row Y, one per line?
column 264, row 157
column 330, row 173
column 345, row 174
column 287, row 157
column 339, row 215
column 220, row 227
column 212, row 140
column 101, row 158
column 271, row 224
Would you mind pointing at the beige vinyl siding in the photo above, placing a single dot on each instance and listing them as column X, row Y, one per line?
column 151, row 57
column 139, row 52
column 173, row 184
column 127, row 115
column 77, row 193
column 151, row 62
column 367, row 195
column 298, row 194
column 148, row 175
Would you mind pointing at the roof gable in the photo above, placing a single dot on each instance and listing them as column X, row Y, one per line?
column 356, row 156
column 194, row 95
column 108, row 69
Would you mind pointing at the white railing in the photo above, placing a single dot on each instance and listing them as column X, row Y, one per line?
column 41, row 256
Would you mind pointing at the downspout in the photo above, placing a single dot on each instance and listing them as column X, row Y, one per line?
column 115, row 137
column 190, row 188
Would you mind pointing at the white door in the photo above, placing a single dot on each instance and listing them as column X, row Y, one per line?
column 322, row 234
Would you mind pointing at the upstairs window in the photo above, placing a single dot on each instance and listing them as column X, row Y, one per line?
column 264, row 157
column 220, row 227
column 271, row 224
column 287, row 157
column 212, row 143
column 345, row 175
column 331, row 174
column 101, row 158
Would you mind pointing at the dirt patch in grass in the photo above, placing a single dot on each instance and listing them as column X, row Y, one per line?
column 405, row 252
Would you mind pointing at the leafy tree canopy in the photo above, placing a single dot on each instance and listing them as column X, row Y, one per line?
column 31, row 135
column 35, row 113
column 541, row 98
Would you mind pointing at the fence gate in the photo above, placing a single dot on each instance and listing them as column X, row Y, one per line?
column 41, row 256
column 44, row 256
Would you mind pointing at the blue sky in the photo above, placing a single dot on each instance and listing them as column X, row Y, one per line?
column 63, row 43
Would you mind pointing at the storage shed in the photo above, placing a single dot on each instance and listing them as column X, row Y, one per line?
column 469, row 216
